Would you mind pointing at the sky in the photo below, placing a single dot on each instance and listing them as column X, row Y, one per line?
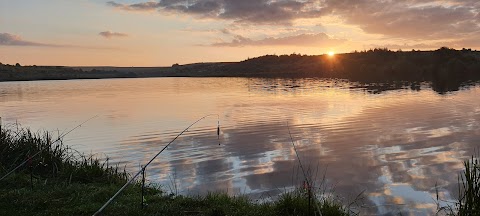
column 165, row 32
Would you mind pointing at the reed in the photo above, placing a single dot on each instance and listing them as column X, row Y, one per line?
column 53, row 160
column 469, row 188
column 468, row 202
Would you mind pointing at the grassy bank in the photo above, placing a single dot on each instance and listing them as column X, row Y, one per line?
column 56, row 180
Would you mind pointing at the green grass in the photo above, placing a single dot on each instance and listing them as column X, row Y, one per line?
column 18, row 198
column 469, row 188
column 468, row 202
column 66, row 182
column 55, row 160
column 296, row 203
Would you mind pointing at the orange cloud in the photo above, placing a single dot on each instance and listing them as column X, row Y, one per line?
column 320, row 39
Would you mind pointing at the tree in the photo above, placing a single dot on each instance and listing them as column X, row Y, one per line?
column 17, row 65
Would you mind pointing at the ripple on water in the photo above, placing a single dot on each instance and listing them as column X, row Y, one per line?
column 395, row 145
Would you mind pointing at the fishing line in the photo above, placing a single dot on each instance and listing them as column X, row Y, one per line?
column 154, row 157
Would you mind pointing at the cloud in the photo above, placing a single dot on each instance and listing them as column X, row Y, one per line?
column 109, row 34
column 244, row 11
column 406, row 46
column 145, row 6
column 409, row 19
column 415, row 19
column 320, row 39
column 7, row 39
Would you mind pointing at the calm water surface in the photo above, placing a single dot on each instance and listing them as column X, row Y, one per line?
column 394, row 146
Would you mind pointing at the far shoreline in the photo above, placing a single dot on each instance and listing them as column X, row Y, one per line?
column 446, row 69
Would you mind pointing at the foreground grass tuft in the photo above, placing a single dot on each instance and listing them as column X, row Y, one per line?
column 468, row 202
column 297, row 203
column 51, row 159
column 469, row 189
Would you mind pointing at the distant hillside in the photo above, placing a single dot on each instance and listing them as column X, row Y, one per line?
column 445, row 68
column 28, row 73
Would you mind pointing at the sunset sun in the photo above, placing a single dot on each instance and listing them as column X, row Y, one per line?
column 331, row 53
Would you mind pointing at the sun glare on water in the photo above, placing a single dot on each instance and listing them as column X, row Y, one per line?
column 331, row 53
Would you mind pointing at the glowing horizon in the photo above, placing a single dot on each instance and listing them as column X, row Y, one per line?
column 162, row 33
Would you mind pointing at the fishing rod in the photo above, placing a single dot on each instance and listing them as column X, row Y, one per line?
column 58, row 139
column 151, row 160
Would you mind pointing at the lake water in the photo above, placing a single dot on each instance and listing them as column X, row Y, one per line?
column 395, row 146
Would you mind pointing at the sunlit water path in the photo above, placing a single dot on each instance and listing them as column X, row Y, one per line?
column 395, row 145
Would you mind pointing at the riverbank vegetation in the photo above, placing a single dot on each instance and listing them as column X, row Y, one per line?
column 57, row 180
column 468, row 203
column 469, row 200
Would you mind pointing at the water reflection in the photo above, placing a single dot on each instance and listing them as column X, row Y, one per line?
column 395, row 150
column 300, row 85
column 396, row 145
